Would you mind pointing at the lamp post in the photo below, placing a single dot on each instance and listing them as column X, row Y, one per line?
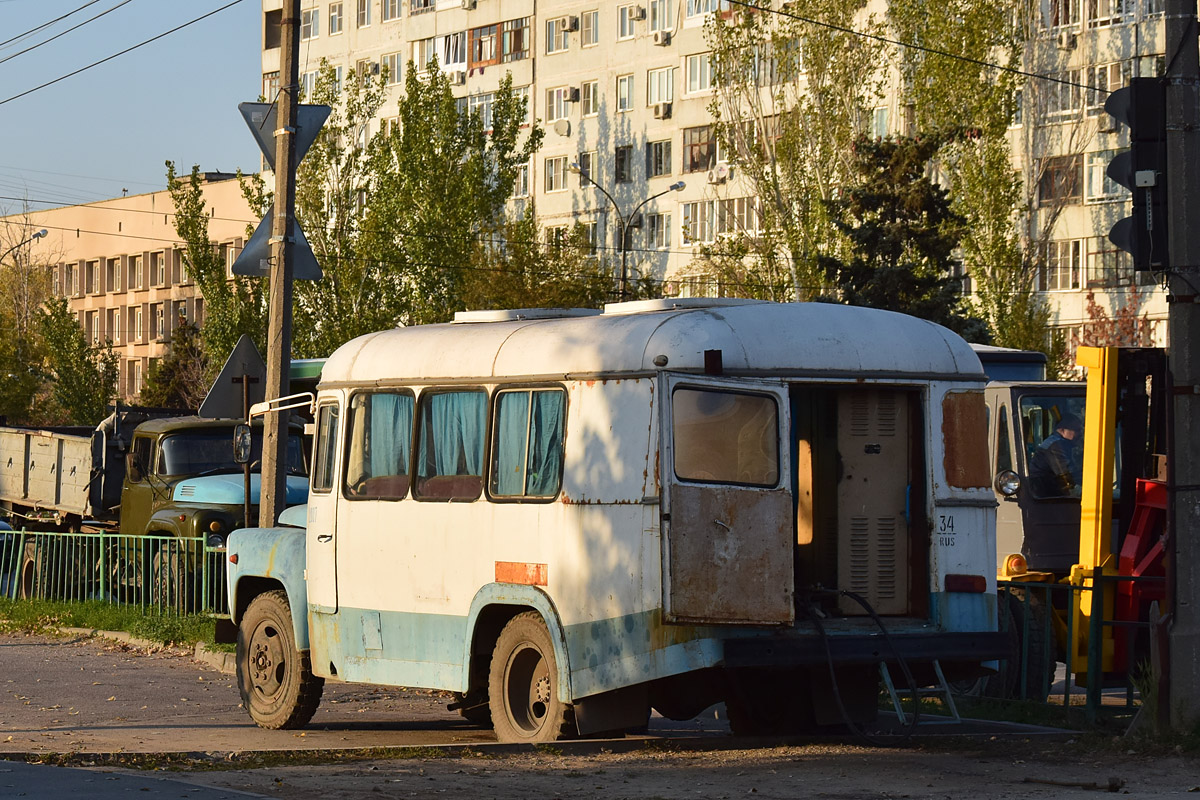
column 36, row 235
column 623, row 220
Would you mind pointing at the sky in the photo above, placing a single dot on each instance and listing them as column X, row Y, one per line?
column 110, row 129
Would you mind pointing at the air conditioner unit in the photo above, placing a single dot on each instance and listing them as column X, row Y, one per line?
column 719, row 173
column 458, row 78
column 573, row 94
column 639, row 12
column 662, row 38
column 568, row 23
column 468, row 5
column 1066, row 40
column 662, row 110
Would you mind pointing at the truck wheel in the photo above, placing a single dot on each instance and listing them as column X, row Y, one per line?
column 275, row 680
column 173, row 584
column 523, row 684
column 31, row 584
column 1031, row 620
column 124, row 572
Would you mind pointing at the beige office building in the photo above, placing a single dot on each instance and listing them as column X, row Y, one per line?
column 120, row 264
column 623, row 89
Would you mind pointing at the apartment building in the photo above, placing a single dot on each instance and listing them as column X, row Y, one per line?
column 120, row 264
column 623, row 90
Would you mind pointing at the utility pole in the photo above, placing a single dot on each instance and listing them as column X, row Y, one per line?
column 279, row 325
column 1183, row 201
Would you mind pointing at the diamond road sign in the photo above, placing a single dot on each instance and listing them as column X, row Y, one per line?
column 255, row 258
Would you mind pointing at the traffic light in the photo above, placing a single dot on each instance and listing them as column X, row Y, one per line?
column 1143, row 170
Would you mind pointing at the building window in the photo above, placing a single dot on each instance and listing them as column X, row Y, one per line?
column 624, row 92
column 589, row 28
column 658, row 230
column 1101, row 188
column 514, row 40
column 521, row 183
column 738, row 216
column 555, row 237
column 660, row 15
column 423, row 53
column 270, row 85
column 364, row 13
column 310, row 24
column 557, row 103
column 414, row 7
column 452, row 51
column 658, row 158
column 139, row 329
column 556, row 174
column 113, row 274
column 879, row 122
column 1063, row 266
column 389, row 10
column 136, row 375
column 587, row 168
column 527, row 443
column 137, row 277
column 1102, row 79
column 91, row 277
column 697, row 7
column 699, row 73
column 624, row 164
column 697, row 222
column 1062, row 13
column 158, row 269
column 589, row 96
column 1061, row 180
column 308, row 84
column 114, row 326
column 391, row 63
column 699, row 149
column 558, row 34
column 335, row 18
column 483, row 46
column 482, row 105
column 626, row 15
column 521, row 95
column 660, row 85
column 1063, row 96
column 1102, row 13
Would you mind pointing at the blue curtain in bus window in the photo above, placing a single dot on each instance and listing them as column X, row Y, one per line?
column 391, row 433
column 456, row 423
column 512, row 435
column 545, row 445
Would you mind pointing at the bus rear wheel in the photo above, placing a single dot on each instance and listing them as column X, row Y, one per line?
column 523, row 684
column 275, row 680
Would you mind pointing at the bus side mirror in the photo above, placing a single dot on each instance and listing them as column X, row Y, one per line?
column 241, row 444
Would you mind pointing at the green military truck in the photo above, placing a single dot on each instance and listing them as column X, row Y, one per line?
column 132, row 502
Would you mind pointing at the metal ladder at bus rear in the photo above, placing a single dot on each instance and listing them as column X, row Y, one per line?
column 942, row 689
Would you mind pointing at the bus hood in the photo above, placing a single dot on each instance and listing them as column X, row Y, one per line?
column 227, row 489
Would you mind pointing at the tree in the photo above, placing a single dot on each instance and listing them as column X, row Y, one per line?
column 791, row 96
column 83, row 378
column 178, row 379
column 24, row 285
column 232, row 305
column 521, row 272
column 442, row 179
column 903, row 235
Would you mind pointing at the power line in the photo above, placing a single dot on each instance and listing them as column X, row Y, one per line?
column 121, row 53
column 909, row 45
column 34, row 30
column 64, row 33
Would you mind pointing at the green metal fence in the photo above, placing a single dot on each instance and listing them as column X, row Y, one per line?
column 164, row 574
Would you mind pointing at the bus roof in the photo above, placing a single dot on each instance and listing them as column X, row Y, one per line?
column 754, row 337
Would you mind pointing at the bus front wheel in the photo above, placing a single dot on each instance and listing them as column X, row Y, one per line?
column 275, row 680
column 523, row 684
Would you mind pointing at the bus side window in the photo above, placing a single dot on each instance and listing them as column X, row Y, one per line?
column 527, row 443
column 450, row 438
column 379, row 445
column 328, row 419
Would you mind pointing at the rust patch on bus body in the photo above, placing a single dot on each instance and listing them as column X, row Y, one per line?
column 964, row 437
column 521, row 572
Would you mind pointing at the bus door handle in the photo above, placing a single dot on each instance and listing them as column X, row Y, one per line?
column 325, row 537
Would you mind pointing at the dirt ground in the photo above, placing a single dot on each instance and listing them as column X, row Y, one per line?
column 827, row 771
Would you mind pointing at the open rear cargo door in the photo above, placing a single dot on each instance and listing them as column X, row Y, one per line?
column 727, row 526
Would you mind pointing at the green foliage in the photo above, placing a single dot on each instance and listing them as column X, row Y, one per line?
column 83, row 378
column 178, row 379
column 45, row 616
column 232, row 306
column 791, row 97
column 441, row 185
column 903, row 235
column 24, row 286
column 20, row 360
column 523, row 273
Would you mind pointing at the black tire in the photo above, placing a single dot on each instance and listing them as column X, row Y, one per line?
column 276, row 681
column 1031, row 620
column 173, row 582
column 32, row 583
column 123, row 566
column 523, row 684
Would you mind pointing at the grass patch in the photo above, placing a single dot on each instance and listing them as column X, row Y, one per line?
column 44, row 616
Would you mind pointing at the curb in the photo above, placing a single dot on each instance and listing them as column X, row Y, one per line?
column 222, row 662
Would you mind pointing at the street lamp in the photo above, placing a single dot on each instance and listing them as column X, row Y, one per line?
column 624, row 220
column 37, row 235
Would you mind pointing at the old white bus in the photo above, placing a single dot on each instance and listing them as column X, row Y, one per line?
column 569, row 517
